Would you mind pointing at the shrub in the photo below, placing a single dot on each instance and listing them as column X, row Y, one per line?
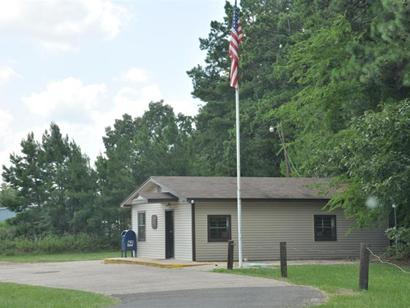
column 55, row 244
column 7, row 231
column 401, row 239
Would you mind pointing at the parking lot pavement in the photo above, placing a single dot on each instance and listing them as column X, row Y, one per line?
column 261, row 297
column 141, row 282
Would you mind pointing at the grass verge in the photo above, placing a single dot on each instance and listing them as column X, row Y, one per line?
column 22, row 296
column 59, row 257
column 388, row 287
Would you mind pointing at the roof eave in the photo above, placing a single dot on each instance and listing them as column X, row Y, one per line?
column 259, row 199
column 162, row 200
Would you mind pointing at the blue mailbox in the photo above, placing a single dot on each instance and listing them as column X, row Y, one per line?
column 128, row 242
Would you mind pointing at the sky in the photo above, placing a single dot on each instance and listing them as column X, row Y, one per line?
column 84, row 63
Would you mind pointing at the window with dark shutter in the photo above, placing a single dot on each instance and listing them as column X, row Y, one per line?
column 141, row 226
column 219, row 228
column 325, row 228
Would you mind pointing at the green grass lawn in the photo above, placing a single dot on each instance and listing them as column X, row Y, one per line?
column 21, row 296
column 63, row 257
column 388, row 287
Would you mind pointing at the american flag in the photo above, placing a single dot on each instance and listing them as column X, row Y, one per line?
column 236, row 40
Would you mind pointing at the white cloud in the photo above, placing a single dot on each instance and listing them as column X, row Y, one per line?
column 136, row 93
column 84, row 110
column 133, row 101
column 60, row 24
column 186, row 105
column 5, row 120
column 151, row 93
column 135, row 76
column 6, row 74
column 7, row 142
column 68, row 96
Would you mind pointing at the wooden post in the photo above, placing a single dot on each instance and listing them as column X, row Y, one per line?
column 364, row 267
column 283, row 260
column 229, row 264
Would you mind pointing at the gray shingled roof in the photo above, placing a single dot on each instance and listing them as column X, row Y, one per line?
column 252, row 187
column 158, row 196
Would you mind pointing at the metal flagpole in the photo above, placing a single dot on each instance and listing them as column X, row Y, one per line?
column 236, row 39
column 238, row 177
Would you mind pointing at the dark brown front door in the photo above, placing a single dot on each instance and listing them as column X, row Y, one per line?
column 169, row 234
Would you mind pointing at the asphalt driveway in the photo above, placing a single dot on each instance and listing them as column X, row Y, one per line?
column 142, row 286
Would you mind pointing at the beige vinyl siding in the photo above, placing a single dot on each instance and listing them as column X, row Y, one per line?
column 212, row 251
column 154, row 245
column 265, row 224
column 182, row 231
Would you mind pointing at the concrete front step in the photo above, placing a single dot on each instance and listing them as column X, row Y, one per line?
column 154, row 262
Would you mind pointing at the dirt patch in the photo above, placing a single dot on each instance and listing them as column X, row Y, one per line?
column 348, row 292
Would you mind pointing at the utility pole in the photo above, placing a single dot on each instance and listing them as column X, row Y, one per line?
column 285, row 150
column 284, row 147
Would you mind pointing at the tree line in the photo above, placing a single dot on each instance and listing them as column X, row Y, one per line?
column 334, row 73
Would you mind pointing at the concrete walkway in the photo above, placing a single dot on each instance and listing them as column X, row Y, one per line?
column 168, row 263
column 142, row 286
column 208, row 266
